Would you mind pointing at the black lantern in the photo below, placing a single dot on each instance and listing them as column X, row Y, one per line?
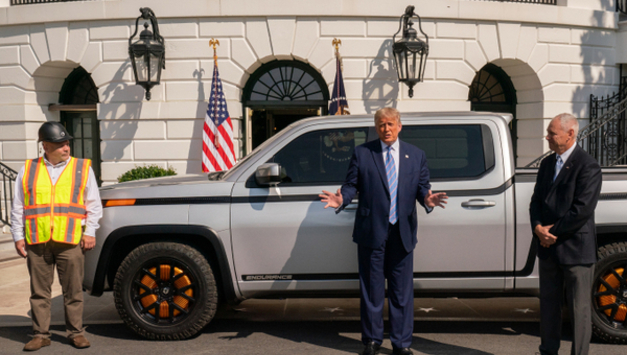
column 410, row 52
column 148, row 53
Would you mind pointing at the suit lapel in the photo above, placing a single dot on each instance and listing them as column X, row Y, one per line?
column 377, row 155
column 401, row 166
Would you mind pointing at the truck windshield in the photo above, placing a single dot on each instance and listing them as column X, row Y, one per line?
column 251, row 155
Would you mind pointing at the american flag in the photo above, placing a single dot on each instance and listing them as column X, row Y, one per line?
column 339, row 104
column 217, row 136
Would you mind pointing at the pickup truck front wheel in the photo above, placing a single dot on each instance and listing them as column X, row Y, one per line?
column 165, row 291
column 609, row 294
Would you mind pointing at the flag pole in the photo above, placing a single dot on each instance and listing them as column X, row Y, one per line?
column 214, row 43
column 339, row 66
column 337, row 43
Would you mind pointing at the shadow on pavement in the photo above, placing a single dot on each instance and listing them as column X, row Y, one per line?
column 114, row 331
column 24, row 334
column 18, row 334
column 330, row 334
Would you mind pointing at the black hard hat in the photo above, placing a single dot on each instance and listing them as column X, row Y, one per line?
column 53, row 132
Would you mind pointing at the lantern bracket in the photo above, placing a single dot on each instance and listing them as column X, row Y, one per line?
column 148, row 14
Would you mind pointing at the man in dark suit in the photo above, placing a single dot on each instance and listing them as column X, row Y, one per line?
column 562, row 218
column 390, row 175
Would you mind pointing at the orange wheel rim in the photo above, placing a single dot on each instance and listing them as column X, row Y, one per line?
column 181, row 285
column 610, row 299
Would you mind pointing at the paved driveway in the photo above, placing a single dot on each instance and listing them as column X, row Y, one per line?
column 292, row 326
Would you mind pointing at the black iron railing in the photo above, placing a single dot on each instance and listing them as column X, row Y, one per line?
column 545, row 2
column 6, row 199
column 608, row 144
column 603, row 138
column 29, row 2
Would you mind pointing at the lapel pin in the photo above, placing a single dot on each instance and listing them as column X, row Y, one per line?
column 406, row 156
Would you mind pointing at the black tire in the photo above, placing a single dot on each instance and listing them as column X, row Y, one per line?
column 165, row 291
column 609, row 294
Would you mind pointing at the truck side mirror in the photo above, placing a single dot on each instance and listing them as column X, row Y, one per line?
column 268, row 174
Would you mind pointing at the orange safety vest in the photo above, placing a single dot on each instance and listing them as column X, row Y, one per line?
column 54, row 210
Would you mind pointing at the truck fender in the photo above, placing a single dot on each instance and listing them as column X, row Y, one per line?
column 128, row 233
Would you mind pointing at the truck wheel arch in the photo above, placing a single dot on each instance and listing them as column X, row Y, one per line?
column 123, row 240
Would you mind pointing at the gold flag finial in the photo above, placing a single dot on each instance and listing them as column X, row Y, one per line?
column 336, row 43
column 213, row 43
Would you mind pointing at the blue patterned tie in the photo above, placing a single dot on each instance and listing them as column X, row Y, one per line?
column 390, row 170
column 558, row 166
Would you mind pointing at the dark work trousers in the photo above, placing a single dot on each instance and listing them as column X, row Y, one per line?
column 576, row 281
column 389, row 261
column 69, row 260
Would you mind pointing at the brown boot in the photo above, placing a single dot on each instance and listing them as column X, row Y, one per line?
column 36, row 344
column 80, row 342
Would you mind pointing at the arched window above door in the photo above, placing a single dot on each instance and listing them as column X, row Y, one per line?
column 78, row 89
column 492, row 85
column 278, row 94
column 288, row 81
column 492, row 90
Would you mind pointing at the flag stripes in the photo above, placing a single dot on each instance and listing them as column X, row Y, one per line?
column 218, row 152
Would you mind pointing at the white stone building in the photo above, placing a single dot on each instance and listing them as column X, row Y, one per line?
column 548, row 59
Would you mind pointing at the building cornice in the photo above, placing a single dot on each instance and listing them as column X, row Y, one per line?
column 428, row 9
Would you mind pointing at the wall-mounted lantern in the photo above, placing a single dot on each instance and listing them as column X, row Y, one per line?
column 410, row 52
column 148, row 53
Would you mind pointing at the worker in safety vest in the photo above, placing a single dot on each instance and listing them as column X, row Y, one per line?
column 55, row 197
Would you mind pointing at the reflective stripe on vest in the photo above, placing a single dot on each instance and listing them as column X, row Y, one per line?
column 54, row 210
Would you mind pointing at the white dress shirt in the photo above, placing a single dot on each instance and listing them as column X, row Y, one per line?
column 396, row 155
column 93, row 204
column 567, row 154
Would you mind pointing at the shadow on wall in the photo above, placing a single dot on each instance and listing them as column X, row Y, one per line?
column 119, row 115
column 593, row 56
column 381, row 87
column 194, row 158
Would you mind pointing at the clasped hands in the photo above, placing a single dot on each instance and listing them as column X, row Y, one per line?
column 335, row 200
column 546, row 238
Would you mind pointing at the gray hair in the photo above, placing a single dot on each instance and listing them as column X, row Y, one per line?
column 390, row 112
column 568, row 121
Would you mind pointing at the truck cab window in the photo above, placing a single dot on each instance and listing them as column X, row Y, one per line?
column 453, row 151
column 319, row 157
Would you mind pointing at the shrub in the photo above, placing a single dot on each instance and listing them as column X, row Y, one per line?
column 145, row 172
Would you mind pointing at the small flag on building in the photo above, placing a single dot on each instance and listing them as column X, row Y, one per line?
column 217, row 137
column 339, row 105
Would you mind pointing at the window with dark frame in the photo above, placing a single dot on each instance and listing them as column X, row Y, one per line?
column 79, row 89
column 453, row 151
column 319, row 157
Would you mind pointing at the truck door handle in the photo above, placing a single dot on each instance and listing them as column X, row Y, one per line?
column 478, row 203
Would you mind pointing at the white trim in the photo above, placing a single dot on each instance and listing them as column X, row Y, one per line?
column 441, row 9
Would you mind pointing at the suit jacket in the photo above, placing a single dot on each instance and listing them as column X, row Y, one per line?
column 569, row 204
column 366, row 175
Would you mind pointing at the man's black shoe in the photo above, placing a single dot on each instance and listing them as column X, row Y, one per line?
column 402, row 351
column 371, row 348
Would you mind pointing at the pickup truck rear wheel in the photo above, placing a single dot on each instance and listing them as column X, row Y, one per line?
column 609, row 294
column 165, row 291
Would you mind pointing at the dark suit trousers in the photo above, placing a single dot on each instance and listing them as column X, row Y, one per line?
column 389, row 261
column 576, row 280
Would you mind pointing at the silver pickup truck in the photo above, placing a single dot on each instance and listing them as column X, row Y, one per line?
column 172, row 248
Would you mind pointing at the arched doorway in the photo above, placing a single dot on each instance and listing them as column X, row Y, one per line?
column 492, row 91
column 279, row 93
column 78, row 99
